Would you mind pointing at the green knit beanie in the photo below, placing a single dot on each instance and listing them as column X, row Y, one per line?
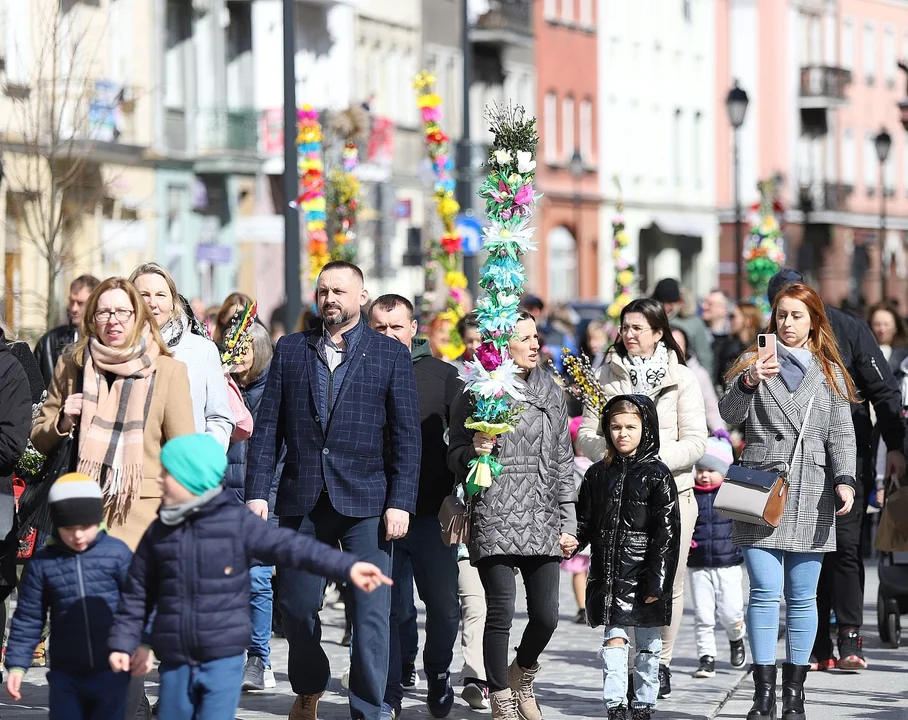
column 197, row 462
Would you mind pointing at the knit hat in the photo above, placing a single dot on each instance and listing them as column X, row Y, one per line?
column 667, row 291
column 197, row 462
column 785, row 276
column 75, row 499
column 718, row 454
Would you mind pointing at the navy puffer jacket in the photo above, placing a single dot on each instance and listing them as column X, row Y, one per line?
column 197, row 574
column 235, row 477
column 712, row 546
column 82, row 591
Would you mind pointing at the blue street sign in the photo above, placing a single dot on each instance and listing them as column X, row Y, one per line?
column 471, row 232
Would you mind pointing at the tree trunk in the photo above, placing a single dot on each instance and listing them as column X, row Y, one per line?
column 53, row 303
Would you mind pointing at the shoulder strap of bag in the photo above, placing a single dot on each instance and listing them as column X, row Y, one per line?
column 797, row 446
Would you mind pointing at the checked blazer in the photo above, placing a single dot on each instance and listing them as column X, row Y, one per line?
column 773, row 416
column 376, row 404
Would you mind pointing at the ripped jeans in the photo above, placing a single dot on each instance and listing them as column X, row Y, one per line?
column 646, row 666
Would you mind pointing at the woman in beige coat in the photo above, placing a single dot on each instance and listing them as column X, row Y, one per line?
column 646, row 360
column 121, row 359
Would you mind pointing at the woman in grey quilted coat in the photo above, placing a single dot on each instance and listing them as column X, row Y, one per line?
column 805, row 388
column 524, row 522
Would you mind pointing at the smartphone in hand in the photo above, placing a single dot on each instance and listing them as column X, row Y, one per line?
column 766, row 346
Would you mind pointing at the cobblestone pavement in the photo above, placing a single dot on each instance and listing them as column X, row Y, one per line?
column 569, row 685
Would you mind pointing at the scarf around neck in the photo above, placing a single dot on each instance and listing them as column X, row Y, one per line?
column 112, row 427
column 173, row 330
column 647, row 373
column 793, row 364
column 173, row 515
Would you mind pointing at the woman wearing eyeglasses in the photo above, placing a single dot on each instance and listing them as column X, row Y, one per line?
column 134, row 397
column 646, row 360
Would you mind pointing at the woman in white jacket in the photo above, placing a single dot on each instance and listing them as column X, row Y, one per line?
column 207, row 384
column 645, row 359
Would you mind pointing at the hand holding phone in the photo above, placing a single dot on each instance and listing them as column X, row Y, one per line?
column 767, row 364
column 766, row 346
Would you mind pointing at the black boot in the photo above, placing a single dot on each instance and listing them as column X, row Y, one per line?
column 793, row 691
column 764, row 707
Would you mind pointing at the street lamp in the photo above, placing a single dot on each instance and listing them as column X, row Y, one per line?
column 576, row 168
column 882, row 143
column 736, row 104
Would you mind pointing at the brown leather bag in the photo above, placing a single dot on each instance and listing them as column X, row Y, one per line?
column 454, row 517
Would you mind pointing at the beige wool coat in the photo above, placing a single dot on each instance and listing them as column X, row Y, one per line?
column 169, row 416
column 682, row 417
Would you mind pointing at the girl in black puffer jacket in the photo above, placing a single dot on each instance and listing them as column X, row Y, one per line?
column 628, row 514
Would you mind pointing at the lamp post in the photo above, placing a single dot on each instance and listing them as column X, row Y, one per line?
column 290, row 183
column 464, row 151
column 736, row 104
column 882, row 142
column 576, row 168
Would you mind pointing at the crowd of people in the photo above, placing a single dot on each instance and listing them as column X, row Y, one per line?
column 200, row 491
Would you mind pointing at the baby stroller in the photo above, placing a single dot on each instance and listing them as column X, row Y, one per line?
column 892, row 542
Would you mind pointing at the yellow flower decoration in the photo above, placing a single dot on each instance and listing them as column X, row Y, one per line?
column 423, row 79
column 624, row 278
column 452, row 351
column 622, row 239
column 429, row 100
column 455, row 279
column 448, row 206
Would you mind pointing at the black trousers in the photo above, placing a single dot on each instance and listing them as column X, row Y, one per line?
column 540, row 579
column 841, row 583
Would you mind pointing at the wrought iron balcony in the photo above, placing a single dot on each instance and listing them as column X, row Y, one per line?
column 824, row 196
column 228, row 132
column 823, row 87
column 505, row 22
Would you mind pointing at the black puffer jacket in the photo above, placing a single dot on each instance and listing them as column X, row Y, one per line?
column 628, row 513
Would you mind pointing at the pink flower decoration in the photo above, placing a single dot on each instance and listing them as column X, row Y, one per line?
column 524, row 196
column 431, row 114
column 488, row 356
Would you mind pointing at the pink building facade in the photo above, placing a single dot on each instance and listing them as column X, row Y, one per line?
column 822, row 78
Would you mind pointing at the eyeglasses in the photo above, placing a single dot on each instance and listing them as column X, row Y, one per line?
column 633, row 329
column 104, row 316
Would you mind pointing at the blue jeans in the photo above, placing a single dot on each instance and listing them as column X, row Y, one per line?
column 208, row 691
column 646, row 666
column 434, row 567
column 94, row 696
column 801, row 572
column 262, row 600
column 300, row 599
column 407, row 625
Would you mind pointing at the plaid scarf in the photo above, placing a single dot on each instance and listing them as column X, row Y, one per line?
column 112, row 427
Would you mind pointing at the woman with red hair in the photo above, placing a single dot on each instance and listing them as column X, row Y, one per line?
column 805, row 389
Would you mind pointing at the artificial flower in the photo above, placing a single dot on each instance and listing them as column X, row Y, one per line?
column 503, row 274
column 621, row 238
column 429, row 100
column 495, row 383
column 452, row 243
column 447, row 206
column 502, row 157
column 525, row 162
column 624, row 278
column 514, row 241
column 499, row 320
column 489, row 356
column 455, row 279
column 524, row 196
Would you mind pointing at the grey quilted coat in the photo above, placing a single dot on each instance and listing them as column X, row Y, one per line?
column 772, row 416
column 533, row 500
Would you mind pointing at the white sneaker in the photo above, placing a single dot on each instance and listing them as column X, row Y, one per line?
column 270, row 682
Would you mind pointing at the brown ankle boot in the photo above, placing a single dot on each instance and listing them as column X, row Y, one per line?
column 520, row 680
column 305, row 707
column 504, row 705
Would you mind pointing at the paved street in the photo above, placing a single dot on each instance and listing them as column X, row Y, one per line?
column 570, row 681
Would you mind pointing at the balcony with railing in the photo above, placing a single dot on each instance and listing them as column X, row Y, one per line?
column 823, row 87
column 507, row 22
column 825, row 196
column 216, row 138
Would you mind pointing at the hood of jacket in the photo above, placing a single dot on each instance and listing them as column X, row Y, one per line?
column 649, row 439
column 420, row 350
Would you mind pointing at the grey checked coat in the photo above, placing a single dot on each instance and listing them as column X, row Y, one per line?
column 773, row 417
column 533, row 500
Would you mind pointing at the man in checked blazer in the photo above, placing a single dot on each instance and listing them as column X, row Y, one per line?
column 335, row 396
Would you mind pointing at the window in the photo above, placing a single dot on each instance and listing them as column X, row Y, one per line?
column 675, row 149
column 179, row 34
column 550, row 129
column 550, row 10
column 847, row 50
column 561, row 253
column 849, row 159
column 567, row 11
column 567, row 127
column 586, row 130
column 869, row 53
column 889, row 62
column 871, row 170
column 586, row 13
column 696, row 146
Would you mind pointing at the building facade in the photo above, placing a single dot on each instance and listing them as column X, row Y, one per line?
column 566, row 267
column 823, row 81
column 657, row 121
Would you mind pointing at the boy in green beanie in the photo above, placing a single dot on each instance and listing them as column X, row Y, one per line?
column 192, row 566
